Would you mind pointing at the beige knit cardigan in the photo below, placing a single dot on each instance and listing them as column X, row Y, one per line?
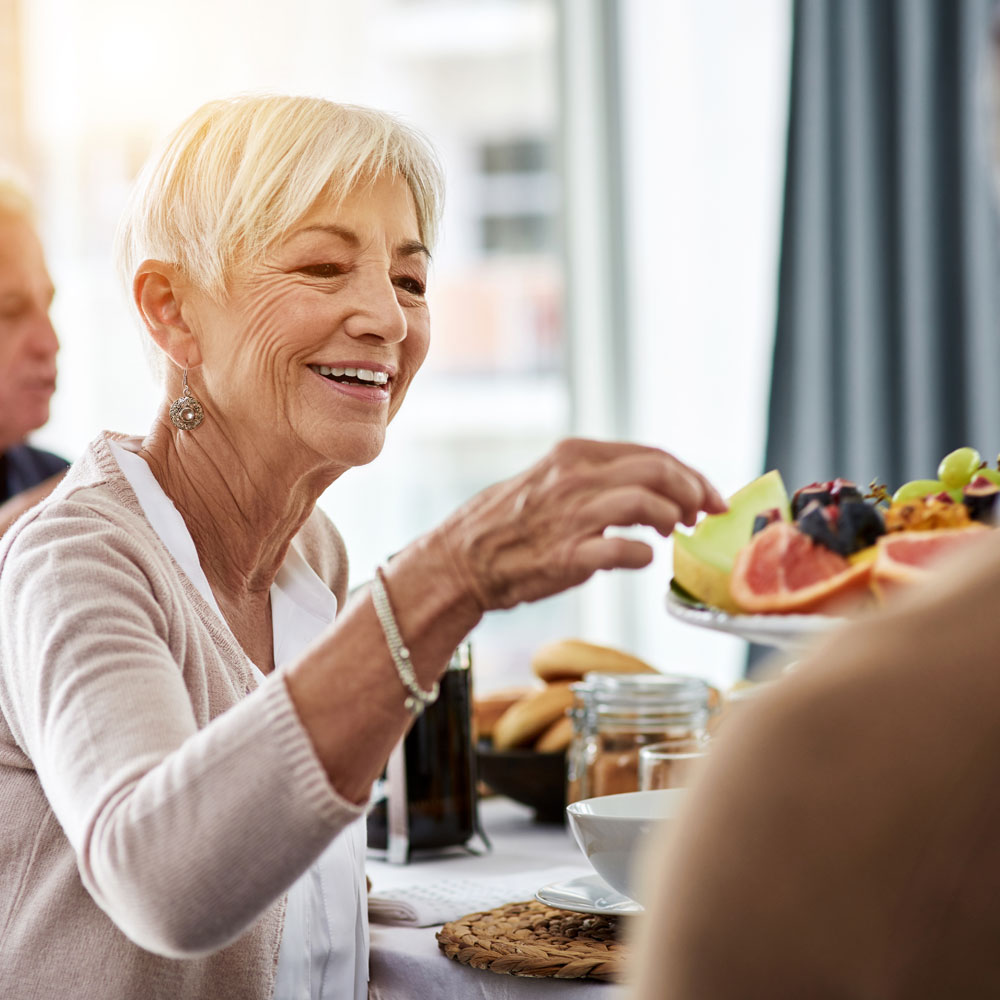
column 155, row 802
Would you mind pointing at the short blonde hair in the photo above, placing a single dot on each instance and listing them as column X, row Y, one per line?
column 239, row 173
column 14, row 197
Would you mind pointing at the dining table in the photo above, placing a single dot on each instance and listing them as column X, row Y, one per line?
column 406, row 962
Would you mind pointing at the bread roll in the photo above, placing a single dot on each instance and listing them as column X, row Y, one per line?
column 528, row 718
column 570, row 659
column 487, row 708
column 556, row 737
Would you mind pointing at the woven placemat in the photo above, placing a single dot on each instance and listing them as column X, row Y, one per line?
column 532, row 939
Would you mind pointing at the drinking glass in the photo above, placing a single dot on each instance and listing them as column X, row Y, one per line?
column 674, row 764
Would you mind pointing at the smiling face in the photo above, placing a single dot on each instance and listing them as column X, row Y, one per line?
column 28, row 343
column 314, row 349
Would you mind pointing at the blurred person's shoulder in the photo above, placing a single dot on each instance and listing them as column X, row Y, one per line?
column 26, row 466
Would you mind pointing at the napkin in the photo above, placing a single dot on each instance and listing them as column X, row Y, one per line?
column 425, row 904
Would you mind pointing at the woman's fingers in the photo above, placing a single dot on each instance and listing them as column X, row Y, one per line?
column 715, row 502
column 663, row 474
column 628, row 505
column 615, row 552
column 574, row 476
column 544, row 531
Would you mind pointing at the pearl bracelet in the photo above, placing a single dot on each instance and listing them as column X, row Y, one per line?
column 417, row 699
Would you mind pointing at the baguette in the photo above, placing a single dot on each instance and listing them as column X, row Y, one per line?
column 570, row 659
column 487, row 708
column 556, row 737
column 528, row 718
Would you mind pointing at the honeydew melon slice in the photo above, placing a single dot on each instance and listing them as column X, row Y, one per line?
column 703, row 558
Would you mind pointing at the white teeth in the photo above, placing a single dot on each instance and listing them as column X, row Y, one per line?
column 365, row 374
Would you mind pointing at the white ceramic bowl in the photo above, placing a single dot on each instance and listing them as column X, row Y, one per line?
column 612, row 829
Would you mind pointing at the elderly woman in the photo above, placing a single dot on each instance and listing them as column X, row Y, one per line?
column 28, row 347
column 192, row 714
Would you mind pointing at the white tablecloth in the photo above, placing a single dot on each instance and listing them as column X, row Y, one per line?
column 406, row 963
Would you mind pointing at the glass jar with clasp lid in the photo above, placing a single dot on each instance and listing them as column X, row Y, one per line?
column 615, row 715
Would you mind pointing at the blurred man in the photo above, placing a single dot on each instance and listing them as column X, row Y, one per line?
column 28, row 347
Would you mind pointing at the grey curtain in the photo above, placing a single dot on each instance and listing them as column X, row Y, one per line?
column 887, row 348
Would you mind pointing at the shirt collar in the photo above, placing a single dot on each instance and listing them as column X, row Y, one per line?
column 302, row 605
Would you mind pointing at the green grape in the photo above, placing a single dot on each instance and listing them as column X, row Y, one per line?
column 991, row 474
column 917, row 488
column 958, row 467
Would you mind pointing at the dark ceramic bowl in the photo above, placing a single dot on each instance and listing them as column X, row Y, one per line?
column 534, row 779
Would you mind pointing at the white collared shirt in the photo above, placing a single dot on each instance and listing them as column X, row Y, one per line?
column 324, row 946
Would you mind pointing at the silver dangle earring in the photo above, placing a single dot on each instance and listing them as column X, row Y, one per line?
column 186, row 412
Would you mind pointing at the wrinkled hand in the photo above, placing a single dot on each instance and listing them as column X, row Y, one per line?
column 543, row 531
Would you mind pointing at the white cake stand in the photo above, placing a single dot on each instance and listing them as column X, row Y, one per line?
column 785, row 632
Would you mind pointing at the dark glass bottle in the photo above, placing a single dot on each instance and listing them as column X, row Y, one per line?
column 430, row 781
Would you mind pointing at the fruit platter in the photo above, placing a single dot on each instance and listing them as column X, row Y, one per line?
column 779, row 570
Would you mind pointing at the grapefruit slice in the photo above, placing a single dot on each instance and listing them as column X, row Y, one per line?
column 783, row 571
column 907, row 557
